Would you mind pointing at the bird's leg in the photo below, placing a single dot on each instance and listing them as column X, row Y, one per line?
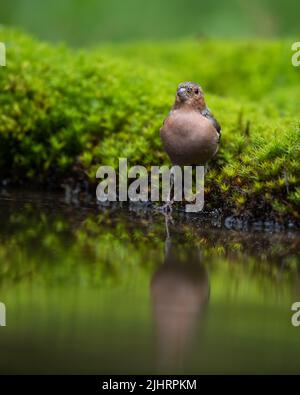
column 167, row 207
column 206, row 169
column 168, row 219
column 167, row 227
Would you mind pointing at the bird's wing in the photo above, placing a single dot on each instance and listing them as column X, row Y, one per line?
column 207, row 114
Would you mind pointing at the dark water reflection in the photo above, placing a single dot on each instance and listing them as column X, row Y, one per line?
column 179, row 293
column 107, row 290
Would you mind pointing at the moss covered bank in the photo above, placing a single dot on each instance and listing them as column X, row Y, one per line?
column 65, row 112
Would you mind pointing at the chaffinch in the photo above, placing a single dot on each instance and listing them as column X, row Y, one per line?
column 190, row 134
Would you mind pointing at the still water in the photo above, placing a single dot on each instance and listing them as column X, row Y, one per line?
column 90, row 289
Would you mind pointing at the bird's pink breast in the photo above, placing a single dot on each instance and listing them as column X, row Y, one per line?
column 189, row 138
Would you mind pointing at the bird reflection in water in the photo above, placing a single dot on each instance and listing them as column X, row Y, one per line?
column 179, row 293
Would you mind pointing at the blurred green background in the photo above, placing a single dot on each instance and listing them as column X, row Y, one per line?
column 83, row 22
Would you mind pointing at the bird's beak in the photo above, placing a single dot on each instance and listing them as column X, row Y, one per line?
column 181, row 92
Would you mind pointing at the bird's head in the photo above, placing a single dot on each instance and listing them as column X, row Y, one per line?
column 190, row 94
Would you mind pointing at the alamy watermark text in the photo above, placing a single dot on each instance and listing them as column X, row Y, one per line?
column 296, row 56
column 2, row 55
column 296, row 316
column 2, row 314
column 137, row 184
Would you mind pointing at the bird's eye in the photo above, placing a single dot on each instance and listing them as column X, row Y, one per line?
column 196, row 91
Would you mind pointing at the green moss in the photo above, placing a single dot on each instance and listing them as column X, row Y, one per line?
column 60, row 108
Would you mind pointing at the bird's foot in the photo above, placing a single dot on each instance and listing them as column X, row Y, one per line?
column 166, row 208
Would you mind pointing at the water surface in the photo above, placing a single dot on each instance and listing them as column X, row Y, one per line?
column 90, row 289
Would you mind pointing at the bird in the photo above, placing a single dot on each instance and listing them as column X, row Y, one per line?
column 190, row 134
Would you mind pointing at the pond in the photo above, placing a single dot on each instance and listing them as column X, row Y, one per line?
column 95, row 289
